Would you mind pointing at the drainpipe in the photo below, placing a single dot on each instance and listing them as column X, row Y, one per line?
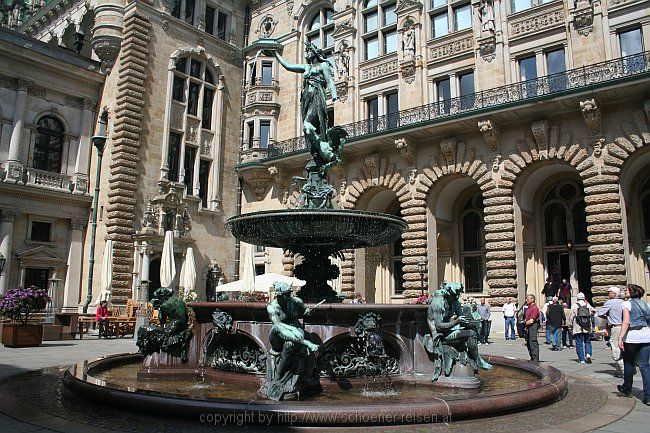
column 99, row 141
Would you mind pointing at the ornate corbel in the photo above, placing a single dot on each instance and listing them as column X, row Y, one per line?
column 592, row 116
column 448, row 148
column 539, row 129
column 487, row 47
column 406, row 151
column 371, row 163
column 583, row 17
column 491, row 134
column 280, row 176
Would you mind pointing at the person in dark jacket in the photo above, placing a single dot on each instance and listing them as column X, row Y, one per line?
column 549, row 290
column 554, row 319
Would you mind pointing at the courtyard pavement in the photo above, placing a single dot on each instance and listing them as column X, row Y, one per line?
column 16, row 361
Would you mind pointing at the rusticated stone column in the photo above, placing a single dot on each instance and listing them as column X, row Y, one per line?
column 287, row 263
column 415, row 244
column 123, row 181
column 347, row 274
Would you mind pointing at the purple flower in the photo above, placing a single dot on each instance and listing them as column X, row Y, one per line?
column 20, row 304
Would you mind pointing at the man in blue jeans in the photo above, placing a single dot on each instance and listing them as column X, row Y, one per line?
column 580, row 321
column 554, row 320
column 509, row 312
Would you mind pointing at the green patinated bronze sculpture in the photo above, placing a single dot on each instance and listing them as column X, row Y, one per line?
column 174, row 335
column 454, row 332
column 289, row 364
column 325, row 145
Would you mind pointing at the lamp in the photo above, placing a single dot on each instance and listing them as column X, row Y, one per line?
column 3, row 261
column 422, row 267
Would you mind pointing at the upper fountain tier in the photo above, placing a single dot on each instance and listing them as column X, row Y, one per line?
column 329, row 230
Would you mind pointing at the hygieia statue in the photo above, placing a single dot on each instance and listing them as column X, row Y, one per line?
column 325, row 145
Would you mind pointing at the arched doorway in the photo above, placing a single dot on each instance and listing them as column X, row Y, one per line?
column 564, row 239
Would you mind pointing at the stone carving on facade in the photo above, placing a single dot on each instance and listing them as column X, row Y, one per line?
column 404, row 5
column 206, row 144
column 407, row 69
column 486, row 16
column 371, row 163
column 343, row 60
column 539, row 22
column 539, row 129
column 166, row 212
column 289, row 7
column 496, row 163
column 8, row 215
column 78, row 223
column 592, row 116
column 583, row 17
column 80, row 184
column 408, row 40
column 344, row 28
column 280, row 175
column 451, row 48
column 448, row 148
column 487, row 47
column 342, row 90
column 379, row 71
column 267, row 26
column 73, row 102
column 406, row 151
column 39, row 92
column 491, row 134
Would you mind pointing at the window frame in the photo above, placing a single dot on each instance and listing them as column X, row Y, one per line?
column 382, row 31
column 449, row 9
column 50, row 134
column 324, row 29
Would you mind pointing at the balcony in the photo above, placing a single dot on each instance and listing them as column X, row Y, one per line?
column 48, row 180
column 543, row 88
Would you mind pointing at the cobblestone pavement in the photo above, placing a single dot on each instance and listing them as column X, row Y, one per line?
column 31, row 401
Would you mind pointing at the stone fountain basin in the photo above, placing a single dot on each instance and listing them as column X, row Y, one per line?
column 335, row 229
column 93, row 380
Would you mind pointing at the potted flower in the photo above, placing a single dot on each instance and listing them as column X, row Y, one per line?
column 19, row 305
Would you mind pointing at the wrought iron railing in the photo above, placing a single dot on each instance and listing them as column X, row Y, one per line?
column 549, row 85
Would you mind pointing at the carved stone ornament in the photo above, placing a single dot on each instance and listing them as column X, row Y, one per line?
column 407, row 5
column 491, row 134
column 78, row 223
column 451, row 48
column 487, row 48
column 372, row 164
column 540, row 128
column 345, row 28
column 592, row 116
column 280, row 175
column 543, row 21
column 448, row 148
column 583, row 17
column 267, row 26
column 378, row 71
column 406, row 151
column 342, row 89
column 289, row 7
column 407, row 69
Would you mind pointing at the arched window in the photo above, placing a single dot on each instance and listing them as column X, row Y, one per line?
column 379, row 29
column 193, row 92
column 555, row 225
column 320, row 31
column 473, row 244
column 48, row 149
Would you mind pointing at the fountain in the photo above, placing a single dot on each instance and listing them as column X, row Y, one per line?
column 345, row 363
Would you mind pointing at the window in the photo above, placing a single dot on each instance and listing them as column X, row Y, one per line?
column 392, row 108
column 221, row 25
column 556, row 68
column 520, row 5
column 209, row 19
column 260, row 269
column 466, row 85
column 193, row 98
column 173, row 157
column 201, row 89
column 188, row 168
column 48, row 149
column 260, row 249
column 267, row 73
column 528, row 71
column 204, row 176
column 206, row 112
column 443, row 95
column 178, row 91
column 320, row 31
column 372, row 107
column 555, row 225
column 183, row 10
column 446, row 16
column 37, row 277
column 631, row 42
column 265, row 133
column 251, row 134
column 379, row 29
column 473, row 244
column 41, row 231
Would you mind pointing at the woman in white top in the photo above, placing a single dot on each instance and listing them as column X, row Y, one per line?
column 635, row 341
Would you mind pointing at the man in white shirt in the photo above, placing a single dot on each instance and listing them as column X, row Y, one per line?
column 509, row 309
column 613, row 311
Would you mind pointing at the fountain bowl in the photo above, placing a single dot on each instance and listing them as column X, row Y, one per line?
column 333, row 230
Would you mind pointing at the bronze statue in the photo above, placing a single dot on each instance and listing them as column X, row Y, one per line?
column 325, row 145
column 454, row 332
column 289, row 365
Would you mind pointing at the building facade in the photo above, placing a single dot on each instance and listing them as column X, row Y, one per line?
column 512, row 136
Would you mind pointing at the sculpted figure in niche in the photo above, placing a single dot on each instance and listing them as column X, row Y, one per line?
column 408, row 42
column 486, row 14
column 343, row 61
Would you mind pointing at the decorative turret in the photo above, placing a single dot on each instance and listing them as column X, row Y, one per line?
column 107, row 34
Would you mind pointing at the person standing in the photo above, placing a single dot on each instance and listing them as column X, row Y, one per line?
column 613, row 311
column 484, row 312
column 101, row 316
column 554, row 319
column 567, row 336
column 565, row 292
column 549, row 289
column 532, row 327
column 509, row 309
column 580, row 323
column 635, row 341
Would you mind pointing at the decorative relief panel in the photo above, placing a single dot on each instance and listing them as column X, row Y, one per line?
column 447, row 48
column 380, row 70
column 176, row 115
column 192, row 130
column 543, row 20
column 206, row 143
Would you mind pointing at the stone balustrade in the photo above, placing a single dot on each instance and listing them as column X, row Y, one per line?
column 48, row 179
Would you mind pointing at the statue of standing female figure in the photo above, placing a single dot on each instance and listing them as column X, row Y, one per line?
column 325, row 145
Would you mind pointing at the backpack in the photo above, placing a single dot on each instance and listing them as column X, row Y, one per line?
column 583, row 318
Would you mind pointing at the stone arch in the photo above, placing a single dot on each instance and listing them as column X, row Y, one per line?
column 305, row 11
column 379, row 173
column 53, row 112
column 451, row 158
column 630, row 147
column 198, row 52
